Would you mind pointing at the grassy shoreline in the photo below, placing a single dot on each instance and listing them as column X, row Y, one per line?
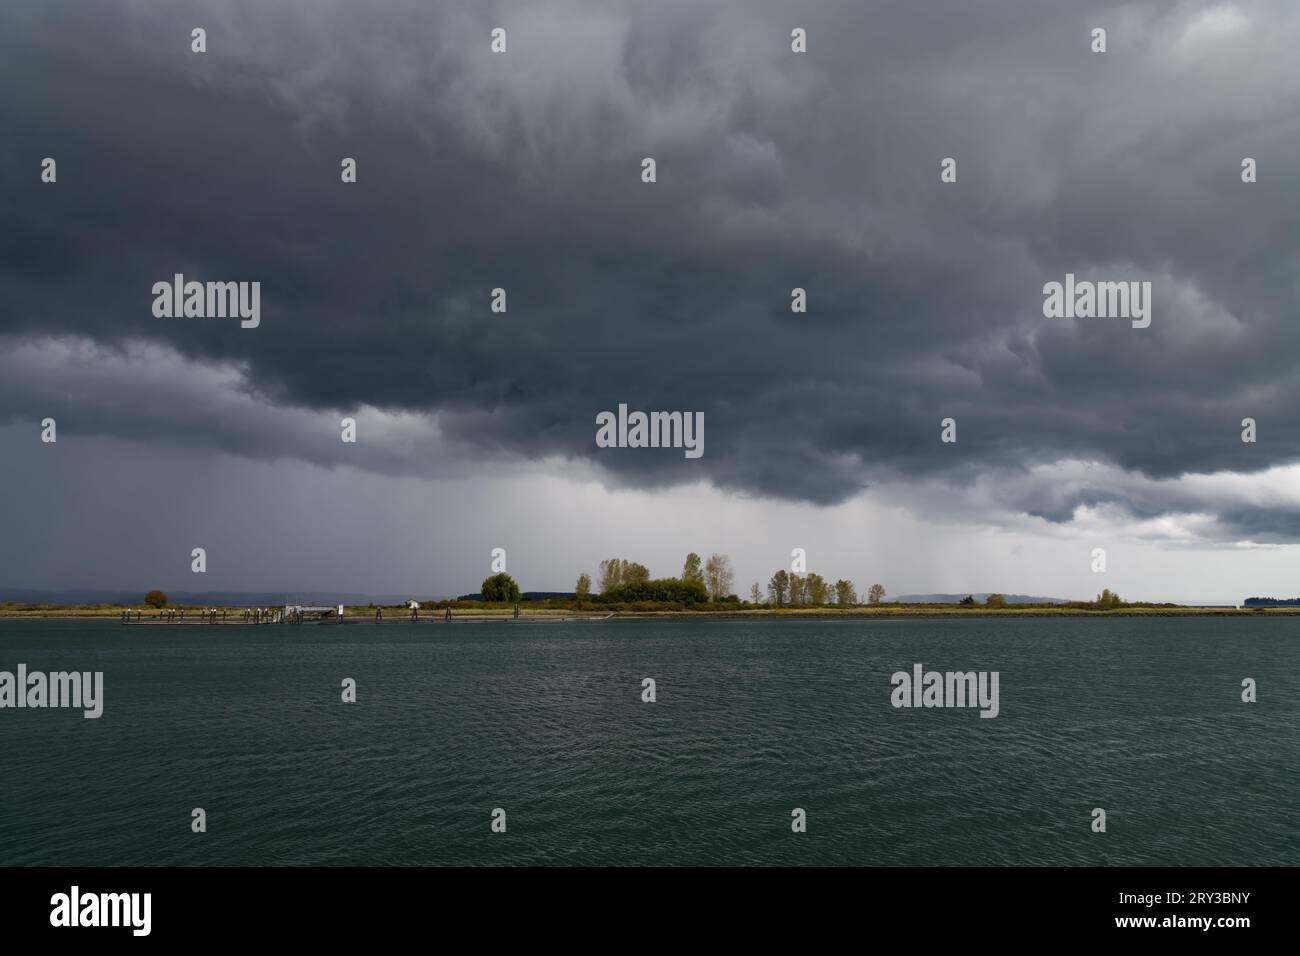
column 592, row 610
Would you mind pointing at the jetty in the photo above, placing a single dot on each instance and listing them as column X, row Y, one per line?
column 208, row 617
column 322, row 614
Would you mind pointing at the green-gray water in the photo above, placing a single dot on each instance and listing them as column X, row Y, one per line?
column 1143, row 718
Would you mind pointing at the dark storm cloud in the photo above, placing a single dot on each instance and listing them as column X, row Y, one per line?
column 775, row 170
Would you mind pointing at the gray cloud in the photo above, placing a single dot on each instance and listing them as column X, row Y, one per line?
column 775, row 170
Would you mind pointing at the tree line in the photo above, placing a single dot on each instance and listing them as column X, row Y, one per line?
column 790, row 588
column 712, row 580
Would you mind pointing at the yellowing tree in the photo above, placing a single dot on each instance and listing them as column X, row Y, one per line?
column 718, row 576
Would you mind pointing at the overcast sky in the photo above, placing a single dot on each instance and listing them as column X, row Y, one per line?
column 775, row 170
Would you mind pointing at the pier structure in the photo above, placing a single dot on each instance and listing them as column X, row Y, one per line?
column 300, row 613
column 289, row 614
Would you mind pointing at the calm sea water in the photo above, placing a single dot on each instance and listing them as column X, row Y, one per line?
column 753, row 718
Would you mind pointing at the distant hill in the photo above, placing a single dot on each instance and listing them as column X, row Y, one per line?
column 1271, row 602
column 979, row 596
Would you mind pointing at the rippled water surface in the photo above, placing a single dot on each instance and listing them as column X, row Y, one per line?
column 1141, row 717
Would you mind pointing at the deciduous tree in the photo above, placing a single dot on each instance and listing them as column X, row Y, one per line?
column 778, row 587
column 718, row 576
column 500, row 587
column 694, row 570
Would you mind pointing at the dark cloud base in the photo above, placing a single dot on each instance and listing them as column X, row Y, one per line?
column 775, row 170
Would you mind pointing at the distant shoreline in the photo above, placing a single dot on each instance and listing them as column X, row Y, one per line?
column 479, row 614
